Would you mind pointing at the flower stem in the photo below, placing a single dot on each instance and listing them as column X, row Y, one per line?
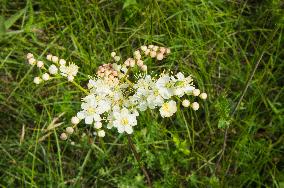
column 137, row 157
column 80, row 87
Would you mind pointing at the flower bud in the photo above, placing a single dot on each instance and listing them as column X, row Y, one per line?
column 196, row 92
column 144, row 48
column 37, row 80
column 69, row 130
column 45, row 76
column 63, row 136
column 132, row 63
column 168, row 50
column 116, row 58
column 52, row 69
column 153, row 54
column 49, row 57
column 147, row 52
column 160, row 56
column 185, row 103
column 162, row 50
column 54, row 59
column 155, row 48
column 144, row 68
column 195, row 106
column 203, row 96
column 127, row 63
column 32, row 61
column 30, row 55
column 112, row 54
column 75, row 120
column 62, row 62
column 39, row 64
column 140, row 63
column 98, row 125
column 101, row 133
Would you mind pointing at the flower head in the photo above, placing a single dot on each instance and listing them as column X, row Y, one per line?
column 168, row 109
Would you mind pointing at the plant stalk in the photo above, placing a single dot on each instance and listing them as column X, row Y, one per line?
column 137, row 157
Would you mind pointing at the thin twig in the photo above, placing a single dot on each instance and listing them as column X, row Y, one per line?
column 234, row 111
column 137, row 157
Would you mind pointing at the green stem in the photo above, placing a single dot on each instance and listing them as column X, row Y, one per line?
column 81, row 169
column 137, row 157
column 80, row 87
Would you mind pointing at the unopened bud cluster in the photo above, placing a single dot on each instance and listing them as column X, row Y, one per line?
column 55, row 67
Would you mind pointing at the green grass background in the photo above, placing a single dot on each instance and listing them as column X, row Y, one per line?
column 218, row 42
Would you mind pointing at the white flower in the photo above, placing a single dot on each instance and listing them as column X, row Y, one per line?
column 183, row 85
column 37, row 80
column 39, row 64
column 75, row 120
column 45, row 76
column 70, row 78
column 185, row 103
column 196, row 92
column 195, row 106
column 69, row 71
column 168, row 109
column 90, row 111
column 69, row 130
column 98, row 125
column 124, row 121
column 103, row 106
column 101, row 133
column 155, row 100
column 53, row 69
column 203, row 96
column 165, row 86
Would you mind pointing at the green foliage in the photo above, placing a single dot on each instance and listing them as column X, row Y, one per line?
column 217, row 42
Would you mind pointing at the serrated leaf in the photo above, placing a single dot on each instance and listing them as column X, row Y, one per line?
column 10, row 21
column 128, row 3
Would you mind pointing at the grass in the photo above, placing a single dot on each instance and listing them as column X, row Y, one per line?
column 218, row 42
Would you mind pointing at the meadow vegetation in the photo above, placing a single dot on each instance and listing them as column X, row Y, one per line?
column 233, row 49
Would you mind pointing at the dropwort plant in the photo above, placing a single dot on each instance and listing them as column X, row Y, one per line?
column 120, row 91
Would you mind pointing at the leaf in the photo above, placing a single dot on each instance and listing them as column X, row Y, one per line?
column 127, row 3
column 2, row 26
column 10, row 21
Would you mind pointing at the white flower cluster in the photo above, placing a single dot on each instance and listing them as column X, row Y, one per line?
column 115, row 98
column 119, row 92
column 58, row 67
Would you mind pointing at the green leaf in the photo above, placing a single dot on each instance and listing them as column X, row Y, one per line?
column 10, row 21
column 128, row 3
column 2, row 26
